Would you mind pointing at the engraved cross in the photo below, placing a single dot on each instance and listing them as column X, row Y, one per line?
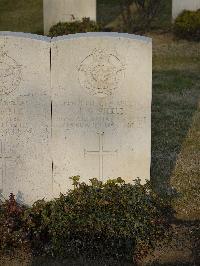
column 3, row 161
column 101, row 153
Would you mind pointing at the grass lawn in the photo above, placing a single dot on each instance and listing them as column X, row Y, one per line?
column 175, row 107
column 21, row 15
column 176, row 121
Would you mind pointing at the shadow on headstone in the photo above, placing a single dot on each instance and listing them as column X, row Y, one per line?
column 19, row 198
column 1, row 195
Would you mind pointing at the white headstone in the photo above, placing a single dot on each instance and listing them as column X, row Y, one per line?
column 25, row 117
column 179, row 5
column 102, row 87
column 67, row 10
column 76, row 105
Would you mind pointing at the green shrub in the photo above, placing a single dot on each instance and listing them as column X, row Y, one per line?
column 138, row 15
column 187, row 25
column 110, row 220
column 37, row 226
column 65, row 28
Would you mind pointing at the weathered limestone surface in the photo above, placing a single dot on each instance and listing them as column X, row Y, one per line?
column 67, row 10
column 25, row 117
column 179, row 5
column 101, row 90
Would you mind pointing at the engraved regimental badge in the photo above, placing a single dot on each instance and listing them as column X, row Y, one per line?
column 100, row 73
column 10, row 73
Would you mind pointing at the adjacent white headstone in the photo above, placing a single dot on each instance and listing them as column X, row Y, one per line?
column 25, row 117
column 179, row 5
column 102, row 87
column 67, row 10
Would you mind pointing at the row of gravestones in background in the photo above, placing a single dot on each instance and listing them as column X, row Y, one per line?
column 73, row 105
column 70, row 10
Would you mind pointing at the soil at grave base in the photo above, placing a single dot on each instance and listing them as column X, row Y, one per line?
column 181, row 249
column 178, row 251
column 44, row 261
column 19, row 258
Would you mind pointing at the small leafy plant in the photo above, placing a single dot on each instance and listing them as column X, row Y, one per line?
column 11, row 225
column 65, row 28
column 187, row 25
column 111, row 219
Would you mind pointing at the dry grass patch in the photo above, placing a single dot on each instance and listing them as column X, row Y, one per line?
column 171, row 54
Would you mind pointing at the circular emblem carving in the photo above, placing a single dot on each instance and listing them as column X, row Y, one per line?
column 10, row 74
column 100, row 73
